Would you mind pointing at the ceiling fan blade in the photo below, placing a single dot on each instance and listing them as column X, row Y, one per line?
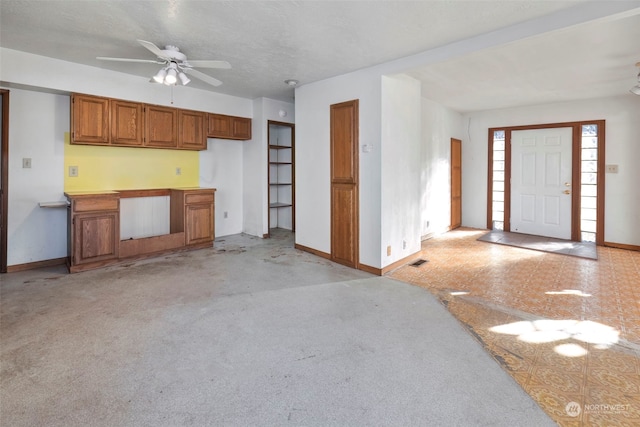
column 202, row 76
column 209, row 64
column 151, row 61
column 154, row 49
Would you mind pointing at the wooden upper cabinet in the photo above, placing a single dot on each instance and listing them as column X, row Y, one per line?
column 161, row 127
column 228, row 127
column 89, row 119
column 241, row 128
column 191, row 130
column 98, row 120
column 219, row 126
column 127, row 123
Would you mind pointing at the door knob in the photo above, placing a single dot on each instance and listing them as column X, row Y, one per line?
column 567, row 191
column 567, row 184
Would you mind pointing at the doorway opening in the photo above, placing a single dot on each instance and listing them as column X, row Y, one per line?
column 281, row 175
column 586, row 185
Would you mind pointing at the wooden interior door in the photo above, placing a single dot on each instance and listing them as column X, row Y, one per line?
column 344, row 183
column 4, row 175
column 456, row 183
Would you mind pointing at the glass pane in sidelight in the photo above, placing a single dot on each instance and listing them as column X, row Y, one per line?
column 589, row 130
column 589, row 178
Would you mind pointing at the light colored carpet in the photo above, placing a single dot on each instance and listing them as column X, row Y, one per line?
column 251, row 332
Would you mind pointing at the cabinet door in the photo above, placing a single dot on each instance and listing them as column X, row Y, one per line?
column 127, row 123
column 241, row 128
column 219, row 126
column 191, row 130
column 161, row 127
column 95, row 237
column 199, row 223
column 89, row 120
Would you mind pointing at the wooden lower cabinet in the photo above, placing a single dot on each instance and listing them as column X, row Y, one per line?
column 94, row 230
column 94, row 227
column 192, row 211
column 96, row 237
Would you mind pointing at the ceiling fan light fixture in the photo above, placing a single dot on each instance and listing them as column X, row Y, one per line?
column 160, row 75
column 183, row 78
column 172, row 77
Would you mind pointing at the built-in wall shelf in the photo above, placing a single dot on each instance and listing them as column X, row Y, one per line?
column 61, row 204
column 281, row 175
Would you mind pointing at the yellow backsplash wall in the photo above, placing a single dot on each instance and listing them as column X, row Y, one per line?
column 125, row 168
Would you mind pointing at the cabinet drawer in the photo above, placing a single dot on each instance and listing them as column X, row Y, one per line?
column 198, row 198
column 95, row 204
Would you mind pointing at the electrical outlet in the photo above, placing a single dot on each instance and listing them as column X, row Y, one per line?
column 26, row 163
column 178, row 171
column 389, row 250
column 611, row 168
column 226, row 214
column 404, row 244
column 73, row 171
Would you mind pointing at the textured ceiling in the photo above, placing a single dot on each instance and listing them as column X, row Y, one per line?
column 270, row 41
column 593, row 60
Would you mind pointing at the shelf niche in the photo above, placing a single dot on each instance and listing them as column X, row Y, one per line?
column 281, row 175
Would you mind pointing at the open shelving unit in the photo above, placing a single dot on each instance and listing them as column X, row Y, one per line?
column 281, row 175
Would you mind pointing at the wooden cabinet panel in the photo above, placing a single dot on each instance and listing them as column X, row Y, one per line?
column 89, row 119
column 228, row 127
column 219, row 126
column 241, row 128
column 191, row 130
column 96, row 237
column 127, row 123
column 95, row 204
column 199, row 223
column 161, row 127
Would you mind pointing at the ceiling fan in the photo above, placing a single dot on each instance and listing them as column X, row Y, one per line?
column 175, row 65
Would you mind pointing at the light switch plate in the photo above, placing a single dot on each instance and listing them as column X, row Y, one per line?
column 26, row 163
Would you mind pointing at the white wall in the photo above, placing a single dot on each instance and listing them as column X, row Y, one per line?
column 622, row 198
column 439, row 125
column 400, row 175
column 313, row 199
column 221, row 168
column 255, row 167
column 39, row 117
column 37, row 124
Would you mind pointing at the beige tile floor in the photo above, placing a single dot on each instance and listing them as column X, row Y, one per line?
column 566, row 328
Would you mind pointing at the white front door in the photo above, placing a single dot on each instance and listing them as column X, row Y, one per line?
column 541, row 182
